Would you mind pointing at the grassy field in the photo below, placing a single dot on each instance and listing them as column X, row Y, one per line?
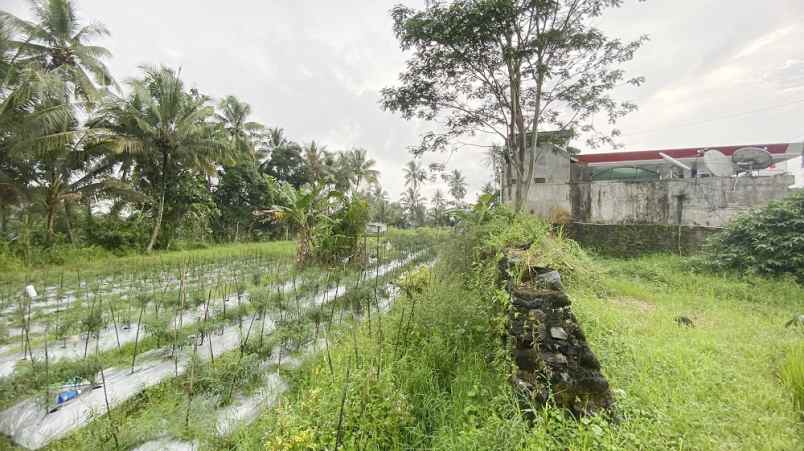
column 716, row 385
column 105, row 264
column 431, row 373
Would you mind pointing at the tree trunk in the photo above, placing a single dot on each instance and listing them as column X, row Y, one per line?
column 51, row 221
column 161, row 209
column 68, row 223
column 157, row 223
column 534, row 148
column 3, row 220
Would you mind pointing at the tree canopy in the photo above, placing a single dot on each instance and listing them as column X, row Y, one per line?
column 512, row 69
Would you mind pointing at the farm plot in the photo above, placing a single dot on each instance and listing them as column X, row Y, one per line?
column 227, row 326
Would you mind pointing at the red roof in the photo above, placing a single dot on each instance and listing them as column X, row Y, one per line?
column 692, row 152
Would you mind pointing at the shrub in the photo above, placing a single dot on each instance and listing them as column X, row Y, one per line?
column 339, row 237
column 769, row 241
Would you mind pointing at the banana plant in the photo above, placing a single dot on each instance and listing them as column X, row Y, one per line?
column 306, row 210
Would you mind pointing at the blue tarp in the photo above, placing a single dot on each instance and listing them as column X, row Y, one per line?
column 66, row 396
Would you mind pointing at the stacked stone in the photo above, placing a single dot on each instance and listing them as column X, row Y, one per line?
column 553, row 360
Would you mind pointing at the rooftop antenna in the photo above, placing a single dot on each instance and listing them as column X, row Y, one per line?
column 673, row 161
column 718, row 164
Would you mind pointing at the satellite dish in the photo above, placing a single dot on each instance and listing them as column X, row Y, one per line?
column 718, row 164
column 752, row 158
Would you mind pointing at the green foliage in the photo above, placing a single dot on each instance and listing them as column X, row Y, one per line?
column 448, row 388
column 328, row 225
column 792, row 375
column 241, row 190
column 416, row 281
column 768, row 241
column 340, row 236
column 153, row 153
column 460, row 50
column 230, row 371
column 488, row 230
column 287, row 165
column 399, row 405
column 120, row 235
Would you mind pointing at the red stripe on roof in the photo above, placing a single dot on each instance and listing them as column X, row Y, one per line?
column 692, row 152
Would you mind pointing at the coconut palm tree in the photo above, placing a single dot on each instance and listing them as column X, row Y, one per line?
column 243, row 135
column 58, row 42
column 378, row 200
column 69, row 173
column 315, row 157
column 415, row 174
column 167, row 130
column 362, row 168
column 439, row 203
column 38, row 153
column 276, row 137
column 411, row 202
column 457, row 187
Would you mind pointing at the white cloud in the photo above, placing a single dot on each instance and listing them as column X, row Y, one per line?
column 315, row 68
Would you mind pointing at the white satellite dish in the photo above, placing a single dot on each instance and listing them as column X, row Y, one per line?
column 752, row 158
column 718, row 164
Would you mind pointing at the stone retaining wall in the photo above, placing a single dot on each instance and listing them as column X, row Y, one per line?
column 553, row 362
column 630, row 240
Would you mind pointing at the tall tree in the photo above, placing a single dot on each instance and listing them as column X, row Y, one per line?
column 241, row 187
column 241, row 190
column 286, row 164
column 513, row 68
column 60, row 43
column 361, row 168
column 439, row 207
column 243, row 135
column 169, row 130
column 45, row 65
column 315, row 157
column 412, row 203
column 457, row 187
column 414, row 173
column 411, row 200
column 378, row 203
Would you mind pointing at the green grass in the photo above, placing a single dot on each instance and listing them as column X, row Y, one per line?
column 715, row 386
column 432, row 374
column 105, row 264
column 792, row 374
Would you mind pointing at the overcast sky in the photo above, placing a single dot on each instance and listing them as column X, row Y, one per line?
column 718, row 72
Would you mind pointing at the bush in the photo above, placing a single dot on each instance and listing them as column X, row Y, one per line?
column 117, row 234
column 8, row 262
column 341, row 236
column 769, row 241
column 487, row 231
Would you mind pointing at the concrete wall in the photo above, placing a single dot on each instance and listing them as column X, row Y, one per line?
column 550, row 176
column 552, row 166
column 546, row 197
column 708, row 202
